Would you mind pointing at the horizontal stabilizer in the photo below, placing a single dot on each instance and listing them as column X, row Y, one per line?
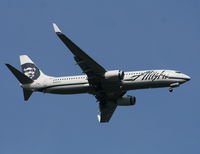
column 27, row 94
column 23, row 79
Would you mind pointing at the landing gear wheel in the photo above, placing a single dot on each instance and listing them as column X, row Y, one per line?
column 170, row 89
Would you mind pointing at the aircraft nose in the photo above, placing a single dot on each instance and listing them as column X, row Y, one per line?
column 186, row 77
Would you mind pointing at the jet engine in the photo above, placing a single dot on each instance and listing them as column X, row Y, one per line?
column 114, row 75
column 126, row 101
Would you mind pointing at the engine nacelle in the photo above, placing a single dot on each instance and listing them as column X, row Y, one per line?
column 126, row 101
column 114, row 75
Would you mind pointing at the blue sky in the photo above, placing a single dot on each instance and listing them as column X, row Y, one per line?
column 127, row 35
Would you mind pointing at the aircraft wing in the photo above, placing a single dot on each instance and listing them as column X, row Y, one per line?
column 89, row 66
column 107, row 109
column 95, row 73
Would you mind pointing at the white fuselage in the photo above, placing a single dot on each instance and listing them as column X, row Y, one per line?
column 131, row 81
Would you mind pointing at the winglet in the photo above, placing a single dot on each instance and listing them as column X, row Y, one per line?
column 99, row 118
column 56, row 29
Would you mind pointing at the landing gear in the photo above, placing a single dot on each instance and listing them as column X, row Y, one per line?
column 170, row 89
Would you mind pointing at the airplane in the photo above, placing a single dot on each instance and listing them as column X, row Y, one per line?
column 108, row 86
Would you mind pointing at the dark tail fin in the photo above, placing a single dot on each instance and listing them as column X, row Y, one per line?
column 27, row 94
column 23, row 79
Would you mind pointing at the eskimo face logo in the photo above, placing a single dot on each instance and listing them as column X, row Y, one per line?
column 31, row 70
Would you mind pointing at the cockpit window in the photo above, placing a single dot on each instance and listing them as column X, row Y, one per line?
column 178, row 72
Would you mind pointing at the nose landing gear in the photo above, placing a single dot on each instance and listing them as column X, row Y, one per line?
column 170, row 89
column 173, row 85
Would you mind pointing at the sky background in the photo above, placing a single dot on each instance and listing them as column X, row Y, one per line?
column 127, row 35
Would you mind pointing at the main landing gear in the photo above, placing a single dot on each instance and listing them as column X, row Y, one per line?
column 170, row 89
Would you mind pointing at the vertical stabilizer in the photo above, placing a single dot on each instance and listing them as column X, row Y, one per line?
column 30, row 69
